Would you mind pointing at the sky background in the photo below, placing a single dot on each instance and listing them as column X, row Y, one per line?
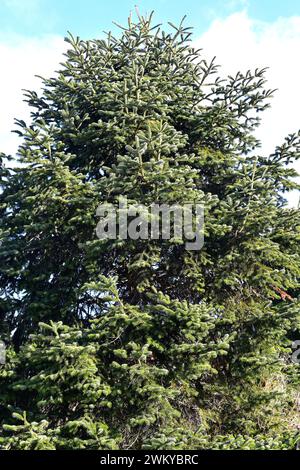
column 90, row 17
column 241, row 33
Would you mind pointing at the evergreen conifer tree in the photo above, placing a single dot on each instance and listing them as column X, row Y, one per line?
column 142, row 343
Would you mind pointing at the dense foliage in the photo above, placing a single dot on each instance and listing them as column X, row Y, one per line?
column 129, row 344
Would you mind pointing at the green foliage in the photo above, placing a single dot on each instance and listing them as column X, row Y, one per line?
column 140, row 343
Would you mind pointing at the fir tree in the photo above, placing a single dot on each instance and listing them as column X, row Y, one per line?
column 142, row 343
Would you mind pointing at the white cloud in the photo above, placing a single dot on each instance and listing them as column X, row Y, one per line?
column 240, row 43
column 30, row 12
column 21, row 58
column 235, row 4
column 19, row 6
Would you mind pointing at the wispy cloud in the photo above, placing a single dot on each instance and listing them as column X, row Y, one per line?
column 29, row 11
column 236, row 4
column 21, row 6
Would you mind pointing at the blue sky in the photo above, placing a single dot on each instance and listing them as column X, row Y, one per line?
column 88, row 18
